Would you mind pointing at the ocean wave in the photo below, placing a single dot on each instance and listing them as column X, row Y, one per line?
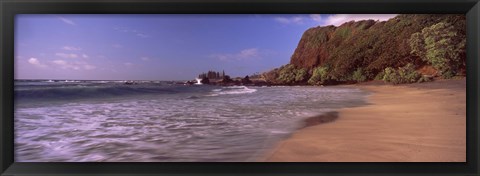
column 92, row 91
column 186, row 127
column 232, row 91
column 235, row 87
column 71, row 81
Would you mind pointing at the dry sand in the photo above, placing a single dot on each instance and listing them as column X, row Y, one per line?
column 408, row 123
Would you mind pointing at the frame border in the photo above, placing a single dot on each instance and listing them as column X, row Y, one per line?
column 9, row 8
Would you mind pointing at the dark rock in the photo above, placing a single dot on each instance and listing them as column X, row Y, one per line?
column 227, row 79
column 246, row 80
column 130, row 83
column 205, row 80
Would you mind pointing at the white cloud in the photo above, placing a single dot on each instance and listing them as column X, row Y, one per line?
column 65, row 65
column 60, row 62
column 71, row 48
column 132, row 31
column 282, row 20
column 67, row 21
column 292, row 20
column 128, row 64
column 249, row 53
column 142, row 35
column 73, row 65
column 339, row 19
column 36, row 62
column 85, row 56
column 316, row 17
column 33, row 61
column 67, row 56
column 145, row 58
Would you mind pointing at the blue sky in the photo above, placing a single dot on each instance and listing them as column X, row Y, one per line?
column 159, row 47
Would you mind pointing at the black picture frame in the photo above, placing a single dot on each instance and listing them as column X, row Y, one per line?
column 9, row 8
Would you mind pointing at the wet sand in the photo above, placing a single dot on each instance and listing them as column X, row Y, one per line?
column 404, row 123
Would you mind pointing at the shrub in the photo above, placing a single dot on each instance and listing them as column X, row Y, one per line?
column 301, row 75
column 343, row 32
column 319, row 76
column 440, row 45
column 405, row 74
column 359, row 75
column 380, row 75
column 408, row 74
column 425, row 79
column 315, row 37
column 390, row 75
column 287, row 74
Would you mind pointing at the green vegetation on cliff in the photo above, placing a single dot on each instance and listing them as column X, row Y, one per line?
column 319, row 76
column 405, row 74
column 363, row 50
column 441, row 46
column 287, row 74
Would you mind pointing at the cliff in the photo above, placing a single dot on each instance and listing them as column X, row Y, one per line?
column 370, row 46
column 317, row 44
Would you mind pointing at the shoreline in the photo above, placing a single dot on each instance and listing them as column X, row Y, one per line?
column 401, row 123
column 327, row 117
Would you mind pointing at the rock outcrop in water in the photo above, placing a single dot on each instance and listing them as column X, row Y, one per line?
column 246, row 80
column 362, row 50
column 205, row 80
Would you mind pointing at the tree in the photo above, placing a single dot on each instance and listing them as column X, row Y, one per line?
column 205, row 81
column 246, row 80
column 405, row 74
column 359, row 75
column 417, row 44
column 226, row 79
column 210, row 74
column 301, row 75
column 271, row 76
column 442, row 47
column 287, row 75
column 320, row 75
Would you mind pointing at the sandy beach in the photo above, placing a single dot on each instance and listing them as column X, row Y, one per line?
column 404, row 123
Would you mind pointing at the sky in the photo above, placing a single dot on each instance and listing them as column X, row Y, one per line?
column 159, row 47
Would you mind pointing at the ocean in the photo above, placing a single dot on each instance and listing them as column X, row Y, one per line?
column 162, row 121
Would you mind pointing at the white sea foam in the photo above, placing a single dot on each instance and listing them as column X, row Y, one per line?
column 169, row 127
column 103, row 82
column 233, row 90
column 279, row 132
column 199, row 81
